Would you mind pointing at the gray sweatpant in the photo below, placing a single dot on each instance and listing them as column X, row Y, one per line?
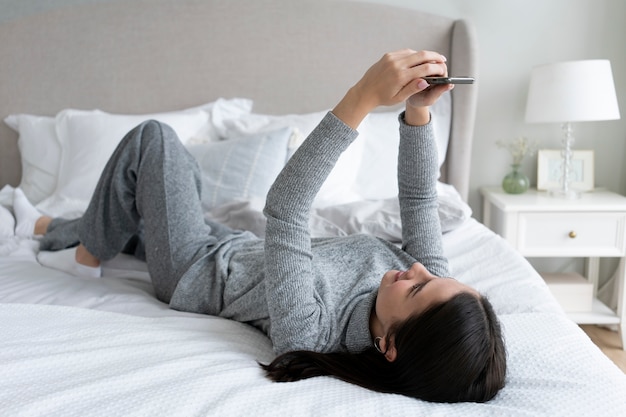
column 147, row 202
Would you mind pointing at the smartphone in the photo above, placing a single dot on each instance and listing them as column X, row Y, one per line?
column 449, row 80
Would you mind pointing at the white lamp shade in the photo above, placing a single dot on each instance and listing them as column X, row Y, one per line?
column 572, row 91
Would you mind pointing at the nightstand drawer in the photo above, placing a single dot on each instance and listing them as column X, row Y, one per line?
column 571, row 234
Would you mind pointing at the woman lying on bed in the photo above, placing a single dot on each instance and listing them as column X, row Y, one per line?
column 322, row 301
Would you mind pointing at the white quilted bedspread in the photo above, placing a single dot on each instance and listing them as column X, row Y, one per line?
column 67, row 361
column 107, row 347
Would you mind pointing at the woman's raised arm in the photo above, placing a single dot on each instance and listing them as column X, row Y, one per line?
column 296, row 312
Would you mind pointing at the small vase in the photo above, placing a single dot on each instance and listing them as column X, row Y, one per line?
column 515, row 182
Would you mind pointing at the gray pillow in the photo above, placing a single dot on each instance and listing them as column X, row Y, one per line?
column 240, row 168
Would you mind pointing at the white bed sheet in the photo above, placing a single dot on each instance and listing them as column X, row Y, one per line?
column 108, row 347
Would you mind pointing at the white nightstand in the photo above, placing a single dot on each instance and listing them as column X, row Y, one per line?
column 591, row 227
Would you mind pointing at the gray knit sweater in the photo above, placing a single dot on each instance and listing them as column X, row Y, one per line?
column 317, row 294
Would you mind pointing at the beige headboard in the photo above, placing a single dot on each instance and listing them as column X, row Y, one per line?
column 290, row 56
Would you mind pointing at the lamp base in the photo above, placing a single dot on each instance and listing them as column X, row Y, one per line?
column 566, row 164
column 568, row 194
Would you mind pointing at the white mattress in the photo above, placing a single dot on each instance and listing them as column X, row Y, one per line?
column 107, row 347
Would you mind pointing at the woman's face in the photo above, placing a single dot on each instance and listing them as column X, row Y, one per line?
column 402, row 294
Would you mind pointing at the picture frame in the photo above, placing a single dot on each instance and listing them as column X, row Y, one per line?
column 549, row 162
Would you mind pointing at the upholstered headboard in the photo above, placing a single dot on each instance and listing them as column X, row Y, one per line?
column 290, row 56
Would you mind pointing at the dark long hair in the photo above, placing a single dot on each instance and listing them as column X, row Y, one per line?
column 452, row 352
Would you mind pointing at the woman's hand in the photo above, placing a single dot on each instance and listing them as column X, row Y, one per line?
column 395, row 78
column 418, row 105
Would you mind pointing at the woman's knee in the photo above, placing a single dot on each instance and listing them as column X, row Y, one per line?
column 154, row 129
column 147, row 132
column 159, row 140
column 154, row 136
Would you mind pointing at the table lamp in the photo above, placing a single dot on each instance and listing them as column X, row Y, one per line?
column 566, row 92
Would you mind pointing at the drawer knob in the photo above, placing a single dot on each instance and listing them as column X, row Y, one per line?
column 572, row 234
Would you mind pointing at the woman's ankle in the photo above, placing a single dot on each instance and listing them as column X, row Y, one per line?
column 84, row 257
column 41, row 225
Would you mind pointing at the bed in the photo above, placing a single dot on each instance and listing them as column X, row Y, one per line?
column 242, row 82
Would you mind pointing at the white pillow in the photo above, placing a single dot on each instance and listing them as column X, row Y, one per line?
column 241, row 168
column 441, row 116
column 337, row 188
column 377, row 175
column 220, row 111
column 40, row 148
column 367, row 170
column 255, row 122
column 88, row 138
column 40, row 153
